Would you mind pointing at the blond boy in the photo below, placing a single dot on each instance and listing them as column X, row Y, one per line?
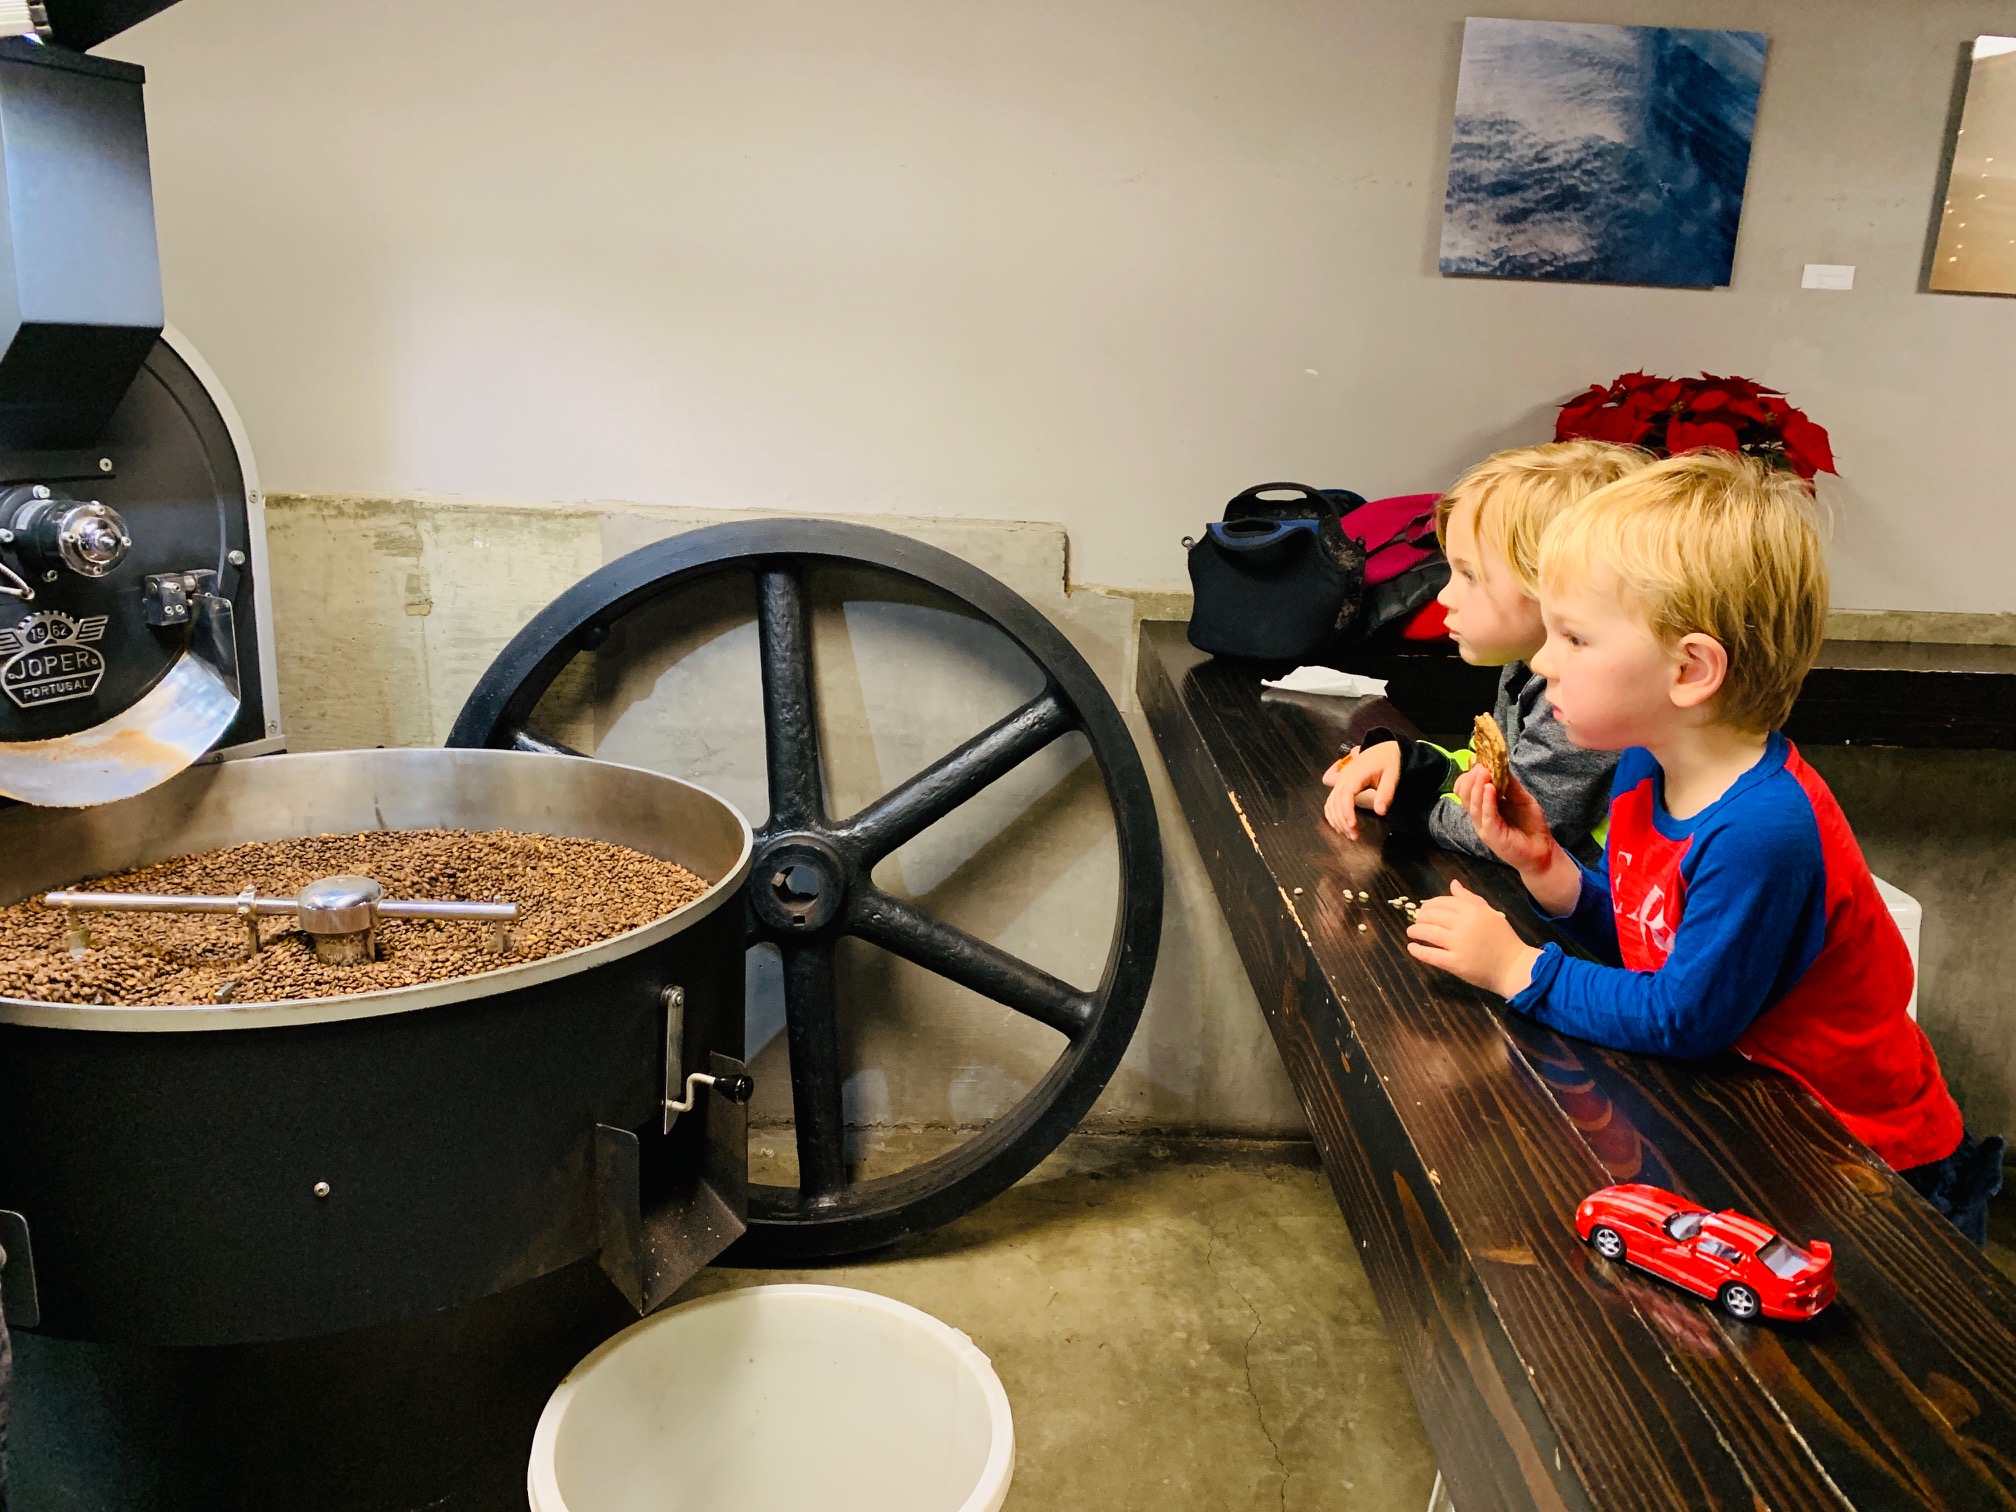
column 1683, row 606
column 1490, row 526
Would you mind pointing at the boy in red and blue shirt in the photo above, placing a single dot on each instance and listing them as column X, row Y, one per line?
column 1732, row 908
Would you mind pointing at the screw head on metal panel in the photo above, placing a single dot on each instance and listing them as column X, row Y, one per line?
column 104, row 464
column 235, row 558
column 321, row 1189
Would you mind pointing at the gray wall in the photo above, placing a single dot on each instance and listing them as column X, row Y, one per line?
column 1095, row 263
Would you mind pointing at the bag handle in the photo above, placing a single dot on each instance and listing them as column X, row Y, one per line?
column 1404, row 536
column 1257, row 505
column 1255, row 535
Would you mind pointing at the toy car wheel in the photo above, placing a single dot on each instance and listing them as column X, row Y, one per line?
column 1738, row 1301
column 1609, row 1243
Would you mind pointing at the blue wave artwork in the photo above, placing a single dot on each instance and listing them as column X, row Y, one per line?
column 1600, row 154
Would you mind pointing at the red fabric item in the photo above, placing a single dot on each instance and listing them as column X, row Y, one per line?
column 1398, row 533
column 1648, row 894
column 1431, row 623
column 1842, row 1030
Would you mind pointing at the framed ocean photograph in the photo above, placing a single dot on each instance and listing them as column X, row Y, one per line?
column 1976, row 248
column 1600, row 154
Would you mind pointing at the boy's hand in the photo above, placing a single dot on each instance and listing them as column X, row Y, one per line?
column 1515, row 829
column 1517, row 833
column 1466, row 937
column 1510, row 823
column 1364, row 779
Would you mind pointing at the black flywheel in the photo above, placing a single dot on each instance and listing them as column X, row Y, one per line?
column 811, row 883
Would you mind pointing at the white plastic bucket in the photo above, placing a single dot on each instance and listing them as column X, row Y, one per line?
column 778, row 1399
column 1910, row 917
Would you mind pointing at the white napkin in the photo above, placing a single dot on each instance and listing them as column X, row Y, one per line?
column 1328, row 680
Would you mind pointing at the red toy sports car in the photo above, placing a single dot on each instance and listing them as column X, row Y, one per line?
column 1736, row 1260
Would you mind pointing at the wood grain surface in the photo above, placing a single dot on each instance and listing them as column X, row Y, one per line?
column 1459, row 1138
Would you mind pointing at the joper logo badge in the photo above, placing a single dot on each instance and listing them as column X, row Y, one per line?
column 51, row 659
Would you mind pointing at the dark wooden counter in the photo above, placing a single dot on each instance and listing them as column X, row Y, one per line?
column 1459, row 1137
column 1884, row 693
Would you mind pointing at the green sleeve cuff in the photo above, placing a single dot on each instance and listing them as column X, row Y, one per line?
column 1459, row 763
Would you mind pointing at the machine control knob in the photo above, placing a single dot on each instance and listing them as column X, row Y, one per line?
column 88, row 538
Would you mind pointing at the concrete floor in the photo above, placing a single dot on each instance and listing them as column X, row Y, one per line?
column 1179, row 1324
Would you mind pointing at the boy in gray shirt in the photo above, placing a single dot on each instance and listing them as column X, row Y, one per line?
column 1490, row 525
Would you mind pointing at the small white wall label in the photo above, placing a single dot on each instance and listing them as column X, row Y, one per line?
column 1828, row 276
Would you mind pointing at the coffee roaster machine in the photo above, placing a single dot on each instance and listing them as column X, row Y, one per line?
column 334, row 1254
column 317, row 1254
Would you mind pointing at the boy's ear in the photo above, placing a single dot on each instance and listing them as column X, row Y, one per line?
column 1701, row 667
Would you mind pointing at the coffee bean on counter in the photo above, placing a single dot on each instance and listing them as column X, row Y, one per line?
column 570, row 893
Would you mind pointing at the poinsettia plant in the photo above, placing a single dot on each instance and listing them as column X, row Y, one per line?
column 1669, row 415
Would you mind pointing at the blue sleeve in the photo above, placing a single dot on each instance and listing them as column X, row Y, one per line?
column 1592, row 922
column 1755, row 917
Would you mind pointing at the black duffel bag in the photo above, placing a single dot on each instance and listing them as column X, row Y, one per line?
column 1277, row 579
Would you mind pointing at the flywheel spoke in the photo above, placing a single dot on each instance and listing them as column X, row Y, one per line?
column 790, row 732
column 909, row 932
column 813, row 1031
column 921, row 802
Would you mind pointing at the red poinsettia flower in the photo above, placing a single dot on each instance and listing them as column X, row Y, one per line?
column 1641, row 402
column 1578, row 409
column 1806, row 445
column 1685, row 435
column 1616, row 424
column 1678, row 414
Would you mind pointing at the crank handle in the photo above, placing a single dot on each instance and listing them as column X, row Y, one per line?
column 735, row 1089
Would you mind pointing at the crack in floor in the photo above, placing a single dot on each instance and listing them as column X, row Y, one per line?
column 1246, row 1359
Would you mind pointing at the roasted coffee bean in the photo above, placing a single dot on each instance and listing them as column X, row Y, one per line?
column 570, row 894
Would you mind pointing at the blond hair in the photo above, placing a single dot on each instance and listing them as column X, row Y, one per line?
column 1519, row 492
column 1719, row 544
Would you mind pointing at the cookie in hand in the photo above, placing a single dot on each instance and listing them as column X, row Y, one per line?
column 1488, row 741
